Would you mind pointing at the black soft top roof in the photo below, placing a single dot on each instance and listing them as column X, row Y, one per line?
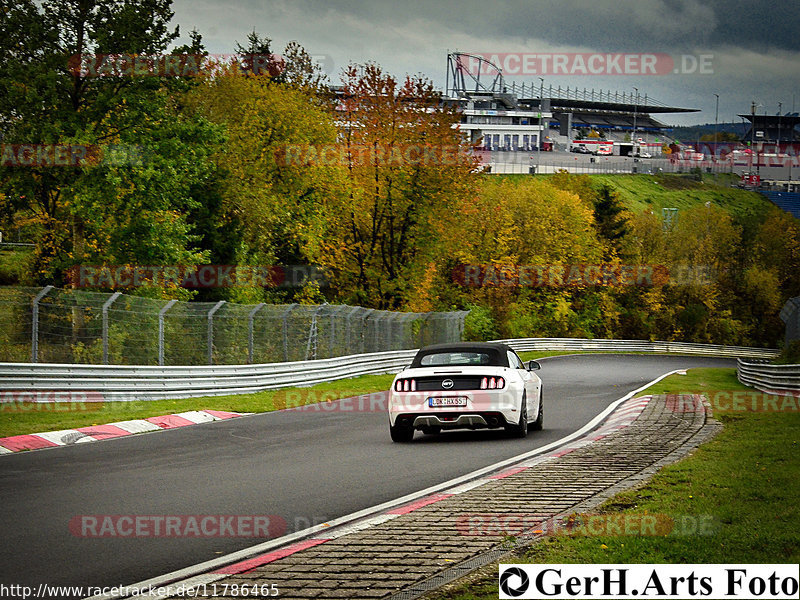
column 497, row 352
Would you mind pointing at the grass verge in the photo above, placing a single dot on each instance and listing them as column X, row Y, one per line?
column 743, row 484
column 28, row 418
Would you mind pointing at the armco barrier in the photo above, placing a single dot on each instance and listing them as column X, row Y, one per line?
column 575, row 344
column 769, row 378
column 150, row 383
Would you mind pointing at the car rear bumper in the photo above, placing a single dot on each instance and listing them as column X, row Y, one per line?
column 469, row 420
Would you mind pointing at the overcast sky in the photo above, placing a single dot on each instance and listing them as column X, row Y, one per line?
column 751, row 48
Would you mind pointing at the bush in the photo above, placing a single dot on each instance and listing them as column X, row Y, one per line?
column 790, row 355
column 479, row 325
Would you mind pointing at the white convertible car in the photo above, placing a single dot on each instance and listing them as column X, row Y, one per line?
column 465, row 385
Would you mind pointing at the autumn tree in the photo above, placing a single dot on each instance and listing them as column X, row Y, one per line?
column 263, row 205
column 405, row 166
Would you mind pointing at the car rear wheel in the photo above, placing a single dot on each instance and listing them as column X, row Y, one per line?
column 520, row 430
column 401, row 434
column 539, row 422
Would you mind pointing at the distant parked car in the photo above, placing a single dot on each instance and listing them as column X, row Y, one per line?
column 580, row 150
column 466, row 386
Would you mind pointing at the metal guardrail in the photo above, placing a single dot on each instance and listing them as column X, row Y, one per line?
column 575, row 344
column 767, row 377
column 125, row 382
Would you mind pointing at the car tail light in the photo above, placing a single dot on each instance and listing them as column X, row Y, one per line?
column 492, row 383
column 405, row 385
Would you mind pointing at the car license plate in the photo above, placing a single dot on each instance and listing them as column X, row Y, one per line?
column 447, row 401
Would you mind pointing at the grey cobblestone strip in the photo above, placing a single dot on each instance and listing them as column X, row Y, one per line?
column 413, row 553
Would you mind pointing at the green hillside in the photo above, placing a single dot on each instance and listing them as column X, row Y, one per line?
column 654, row 192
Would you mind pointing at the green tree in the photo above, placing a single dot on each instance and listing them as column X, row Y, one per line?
column 611, row 219
column 130, row 207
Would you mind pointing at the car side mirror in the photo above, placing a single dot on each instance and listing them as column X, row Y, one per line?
column 533, row 365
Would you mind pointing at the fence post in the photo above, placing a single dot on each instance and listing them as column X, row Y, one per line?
column 161, row 314
column 250, row 317
column 332, row 336
column 394, row 320
column 311, row 346
column 407, row 331
column 432, row 328
column 35, row 322
column 285, row 328
column 217, row 306
column 462, row 323
column 350, row 324
column 364, row 318
column 387, row 330
column 107, row 304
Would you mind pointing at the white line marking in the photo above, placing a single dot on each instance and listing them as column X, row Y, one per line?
column 365, row 524
column 469, row 486
column 215, row 563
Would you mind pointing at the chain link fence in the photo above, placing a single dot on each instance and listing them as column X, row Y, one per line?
column 73, row 326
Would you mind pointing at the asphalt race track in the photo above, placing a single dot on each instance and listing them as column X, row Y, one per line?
column 306, row 467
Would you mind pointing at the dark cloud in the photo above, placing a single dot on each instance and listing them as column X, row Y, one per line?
column 755, row 46
column 607, row 26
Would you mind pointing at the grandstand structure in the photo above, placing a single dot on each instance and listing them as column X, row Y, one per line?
column 771, row 129
column 519, row 117
column 786, row 200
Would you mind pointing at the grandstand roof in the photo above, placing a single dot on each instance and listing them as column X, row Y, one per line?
column 571, row 103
